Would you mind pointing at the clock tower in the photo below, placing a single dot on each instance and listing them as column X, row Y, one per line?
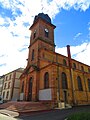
column 42, row 36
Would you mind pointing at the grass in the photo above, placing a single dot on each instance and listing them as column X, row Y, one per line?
column 80, row 116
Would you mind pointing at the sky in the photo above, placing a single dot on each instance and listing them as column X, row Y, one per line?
column 72, row 21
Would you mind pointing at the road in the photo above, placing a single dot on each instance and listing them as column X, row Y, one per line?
column 54, row 114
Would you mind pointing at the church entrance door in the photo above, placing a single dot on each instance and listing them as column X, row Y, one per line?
column 30, row 89
column 65, row 97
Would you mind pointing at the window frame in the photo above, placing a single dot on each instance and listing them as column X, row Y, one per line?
column 64, row 62
column 88, row 84
column 74, row 65
column 79, row 82
column 64, row 81
column 7, row 95
column 33, row 53
column 22, row 87
column 34, row 34
column 46, row 80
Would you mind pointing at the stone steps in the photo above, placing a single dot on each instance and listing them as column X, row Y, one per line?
column 24, row 106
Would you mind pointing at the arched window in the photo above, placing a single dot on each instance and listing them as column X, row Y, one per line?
column 80, row 88
column 34, row 35
column 32, row 54
column 64, row 62
column 22, row 87
column 3, row 94
column 82, row 68
column 74, row 65
column 7, row 95
column 46, row 80
column 64, row 81
column 89, row 70
column 46, row 32
column 89, row 85
column 30, row 86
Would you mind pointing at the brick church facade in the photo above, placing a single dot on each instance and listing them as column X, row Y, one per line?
column 51, row 77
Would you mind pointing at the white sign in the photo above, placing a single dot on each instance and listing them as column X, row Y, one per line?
column 45, row 94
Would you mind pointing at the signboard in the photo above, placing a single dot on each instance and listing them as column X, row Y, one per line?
column 45, row 94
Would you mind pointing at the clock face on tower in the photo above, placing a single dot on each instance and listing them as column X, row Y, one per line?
column 46, row 29
column 46, row 32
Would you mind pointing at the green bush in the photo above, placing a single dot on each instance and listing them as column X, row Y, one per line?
column 79, row 116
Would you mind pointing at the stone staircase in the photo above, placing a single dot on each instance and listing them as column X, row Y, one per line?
column 23, row 107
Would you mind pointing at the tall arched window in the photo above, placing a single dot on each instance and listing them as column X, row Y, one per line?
column 82, row 68
column 46, row 80
column 30, row 86
column 89, row 85
column 64, row 81
column 22, row 87
column 7, row 95
column 80, row 88
column 64, row 62
column 74, row 65
column 89, row 70
column 32, row 54
column 34, row 35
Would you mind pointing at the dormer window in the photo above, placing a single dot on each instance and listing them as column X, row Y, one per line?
column 34, row 35
column 46, row 32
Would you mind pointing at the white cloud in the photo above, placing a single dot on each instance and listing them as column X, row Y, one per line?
column 14, row 35
column 77, row 35
column 80, row 52
column 62, row 50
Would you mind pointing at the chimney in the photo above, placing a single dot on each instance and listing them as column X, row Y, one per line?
column 69, row 55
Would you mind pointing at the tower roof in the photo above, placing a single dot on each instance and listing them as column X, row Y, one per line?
column 43, row 16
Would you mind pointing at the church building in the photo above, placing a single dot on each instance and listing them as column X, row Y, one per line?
column 50, row 77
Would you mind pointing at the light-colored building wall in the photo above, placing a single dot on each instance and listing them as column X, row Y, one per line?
column 1, row 85
column 11, row 85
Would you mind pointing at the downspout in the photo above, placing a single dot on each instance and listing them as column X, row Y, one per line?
column 71, row 73
column 85, row 86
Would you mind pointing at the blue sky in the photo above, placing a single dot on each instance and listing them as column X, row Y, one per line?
column 72, row 20
column 72, row 27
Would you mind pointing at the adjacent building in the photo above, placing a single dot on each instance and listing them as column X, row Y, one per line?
column 1, row 85
column 51, row 77
column 11, row 85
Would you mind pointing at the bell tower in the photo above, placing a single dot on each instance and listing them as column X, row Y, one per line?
column 42, row 36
